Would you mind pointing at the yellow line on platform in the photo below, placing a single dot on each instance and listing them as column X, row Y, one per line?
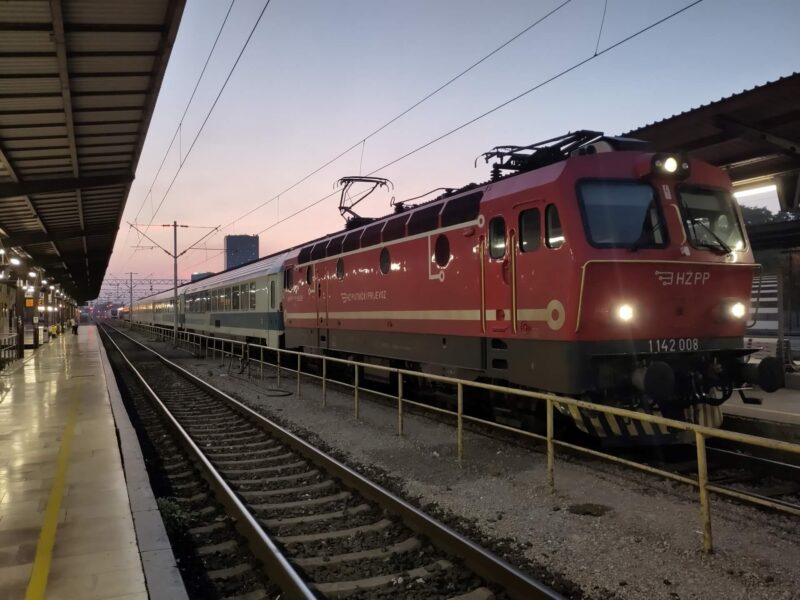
column 47, row 538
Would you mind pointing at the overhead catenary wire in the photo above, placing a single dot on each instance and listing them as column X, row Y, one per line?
column 211, row 109
column 362, row 142
column 149, row 193
column 485, row 114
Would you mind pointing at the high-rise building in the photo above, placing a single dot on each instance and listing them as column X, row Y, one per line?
column 240, row 249
column 203, row 275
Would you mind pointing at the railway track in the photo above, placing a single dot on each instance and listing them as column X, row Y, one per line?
column 319, row 528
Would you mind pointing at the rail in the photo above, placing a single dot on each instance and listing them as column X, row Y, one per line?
column 203, row 344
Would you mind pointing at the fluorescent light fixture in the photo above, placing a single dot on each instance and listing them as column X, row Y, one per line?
column 14, row 261
column 755, row 191
column 32, row 274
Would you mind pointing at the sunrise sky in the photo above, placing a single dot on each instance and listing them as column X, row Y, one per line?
column 320, row 75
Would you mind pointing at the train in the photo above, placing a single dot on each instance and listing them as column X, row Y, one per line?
column 588, row 265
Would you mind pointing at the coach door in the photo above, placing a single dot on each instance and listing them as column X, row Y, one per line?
column 497, row 285
column 322, row 307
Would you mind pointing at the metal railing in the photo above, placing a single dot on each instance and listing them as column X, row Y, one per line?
column 8, row 350
column 203, row 345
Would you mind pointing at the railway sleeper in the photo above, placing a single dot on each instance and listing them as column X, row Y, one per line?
column 232, row 454
column 315, row 487
column 273, row 523
column 230, row 572
column 230, row 465
column 409, row 545
column 233, row 470
column 340, row 589
column 333, row 535
column 273, row 480
column 296, row 504
column 228, row 547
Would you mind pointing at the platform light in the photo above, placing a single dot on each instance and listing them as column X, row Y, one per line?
column 625, row 312
column 755, row 191
column 15, row 261
column 2, row 251
column 738, row 310
column 32, row 274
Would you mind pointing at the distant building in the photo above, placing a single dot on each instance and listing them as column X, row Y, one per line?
column 240, row 249
column 199, row 276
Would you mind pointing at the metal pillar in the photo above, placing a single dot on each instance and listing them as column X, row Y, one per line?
column 175, row 282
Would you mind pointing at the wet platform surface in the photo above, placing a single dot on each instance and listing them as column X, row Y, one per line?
column 66, row 529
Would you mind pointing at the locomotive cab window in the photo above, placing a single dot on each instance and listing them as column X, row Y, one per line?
column 340, row 269
column 497, row 237
column 555, row 235
column 530, row 230
column 710, row 220
column 309, row 274
column 621, row 214
column 288, row 278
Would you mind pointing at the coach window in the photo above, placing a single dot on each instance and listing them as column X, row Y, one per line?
column 497, row 237
column 214, row 300
column 227, row 298
column 235, row 305
column 530, row 230
column 340, row 269
column 310, row 274
column 252, row 296
column 555, row 235
column 272, row 294
column 442, row 250
column 243, row 302
column 385, row 261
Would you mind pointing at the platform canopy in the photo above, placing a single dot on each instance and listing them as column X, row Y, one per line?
column 78, row 84
column 754, row 135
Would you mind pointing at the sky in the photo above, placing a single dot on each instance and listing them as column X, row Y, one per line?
column 318, row 76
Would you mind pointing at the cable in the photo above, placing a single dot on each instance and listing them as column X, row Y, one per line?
column 602, row 22
column 210, row 110
column 499, row 106
column 186, row 109
column 419, row 102
column 177, row 129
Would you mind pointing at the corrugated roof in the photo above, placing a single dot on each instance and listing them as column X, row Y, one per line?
column 78, row 84
column 754, row 135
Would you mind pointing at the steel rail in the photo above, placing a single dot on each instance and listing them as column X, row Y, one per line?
column 277, row 566
column 551, row 400
column 484, row 563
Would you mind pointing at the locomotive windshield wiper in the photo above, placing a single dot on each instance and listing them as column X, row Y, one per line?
column 722, row 245
column 656, row 226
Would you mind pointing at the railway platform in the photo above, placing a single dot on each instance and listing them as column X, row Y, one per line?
column 73, row 522
column 777, row 417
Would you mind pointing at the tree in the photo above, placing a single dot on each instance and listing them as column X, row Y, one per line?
column 758, row 215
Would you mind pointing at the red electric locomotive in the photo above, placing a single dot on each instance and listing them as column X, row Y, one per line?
column 588, row 266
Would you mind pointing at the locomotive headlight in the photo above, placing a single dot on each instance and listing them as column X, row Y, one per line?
column 625, row 313
column 670, row 164
column 737, row 310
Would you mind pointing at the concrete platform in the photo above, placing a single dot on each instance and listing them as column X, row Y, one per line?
column 782, row 406
column 67, row 525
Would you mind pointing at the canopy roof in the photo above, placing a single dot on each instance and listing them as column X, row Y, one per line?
column 78, row 84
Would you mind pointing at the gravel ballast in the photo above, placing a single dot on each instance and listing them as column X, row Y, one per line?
column 606, row 532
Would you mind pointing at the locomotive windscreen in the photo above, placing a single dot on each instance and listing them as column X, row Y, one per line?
column 621, row 214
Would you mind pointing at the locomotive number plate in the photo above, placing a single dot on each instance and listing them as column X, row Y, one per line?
column 674, row 344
